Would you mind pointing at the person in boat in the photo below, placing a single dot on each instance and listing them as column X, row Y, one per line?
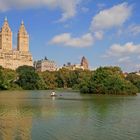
column 53, row 93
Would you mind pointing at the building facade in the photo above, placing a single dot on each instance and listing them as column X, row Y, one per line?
column 70, row 66
column 13, row 58
column 84, row 65
column 138, row 73
column 45, row 65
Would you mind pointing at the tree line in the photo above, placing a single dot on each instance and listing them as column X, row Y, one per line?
column 104, row 80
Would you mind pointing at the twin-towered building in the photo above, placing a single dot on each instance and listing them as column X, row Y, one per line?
column 11, row 57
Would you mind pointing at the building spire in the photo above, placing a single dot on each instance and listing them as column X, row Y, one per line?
column 84, row 62
column 22, row 28
column 5, row 24
column 23, row 38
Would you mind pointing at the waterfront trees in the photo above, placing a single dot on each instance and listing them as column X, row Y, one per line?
column 104, row 80
column 108, row 80
column 135, row 79
column 7, row 78
column 48, row 79
column 28, row 79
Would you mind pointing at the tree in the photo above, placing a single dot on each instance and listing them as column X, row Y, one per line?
column 62, row 78
column 108, row 80
column 49, row 79
column 7, row 79
column 28, row 79
column 135, row 79
column 25, row 68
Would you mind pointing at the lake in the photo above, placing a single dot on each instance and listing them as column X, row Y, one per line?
column 34, row 115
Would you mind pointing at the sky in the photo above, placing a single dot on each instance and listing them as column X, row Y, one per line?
column 106, row 32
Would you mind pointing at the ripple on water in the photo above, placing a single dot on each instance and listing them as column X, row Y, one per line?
column 34, row 115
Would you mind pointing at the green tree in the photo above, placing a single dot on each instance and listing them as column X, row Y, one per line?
column 62, row 78
column 135, row 79
column 108, row 80
column 49, row 79
column 7, row 79
column 28, row 79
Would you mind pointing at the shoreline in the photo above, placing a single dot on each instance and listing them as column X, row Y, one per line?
column 72, row 90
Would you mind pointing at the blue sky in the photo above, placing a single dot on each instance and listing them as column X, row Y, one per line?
column 106, row 32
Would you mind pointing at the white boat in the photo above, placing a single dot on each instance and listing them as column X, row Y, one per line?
column 53, row 94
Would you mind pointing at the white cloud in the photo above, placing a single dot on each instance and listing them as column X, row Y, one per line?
column 123, row 50
column 68, row 7
column 137, row 66
column 66, row 39
column 112, row 17
column 125, row 56
column 124, row 59
column 105, row 19
column 98, row 35
column 134, row 29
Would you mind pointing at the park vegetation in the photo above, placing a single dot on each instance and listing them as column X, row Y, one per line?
column 104, row 80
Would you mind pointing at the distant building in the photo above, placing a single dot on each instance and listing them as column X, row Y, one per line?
column 45, row 65
column 138, row 73
column 125, row 74
column 72, row 67
column 83, row 65
column 13, row 58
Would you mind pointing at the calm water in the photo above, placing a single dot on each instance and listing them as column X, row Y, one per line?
column 33, row 115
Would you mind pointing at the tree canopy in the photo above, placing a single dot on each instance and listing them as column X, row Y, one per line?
column 108, row 80
column 104, row 80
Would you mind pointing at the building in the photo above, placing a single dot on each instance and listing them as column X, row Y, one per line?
column 45, row 65
column 13, row 58
column 70, row 66
column 138, row 73
column 83, row 65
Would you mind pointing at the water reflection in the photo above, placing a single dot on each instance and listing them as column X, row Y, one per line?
column 14, row 124
column 17, row 111
column 34, row 115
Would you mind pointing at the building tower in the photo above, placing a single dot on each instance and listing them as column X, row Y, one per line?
column 84, row 63
column 6, row 37
column 22, row 39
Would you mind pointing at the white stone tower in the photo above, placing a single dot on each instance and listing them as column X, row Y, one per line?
column 22, row 39
column 6, row 36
